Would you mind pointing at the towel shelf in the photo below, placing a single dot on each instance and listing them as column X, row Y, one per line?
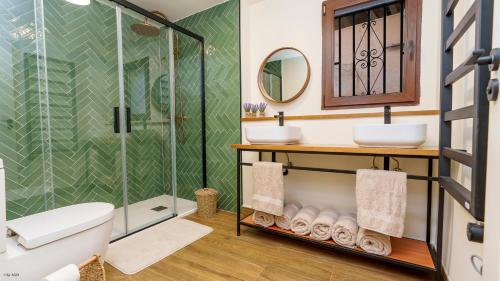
column 408, row 253
column 405, row 251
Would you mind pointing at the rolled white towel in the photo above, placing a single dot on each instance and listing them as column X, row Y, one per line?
column 289, row 212
column 321, row 228
column 302, row 222
column 67, row 273
column 374, row 242
column 263, row 219
column 345, row 231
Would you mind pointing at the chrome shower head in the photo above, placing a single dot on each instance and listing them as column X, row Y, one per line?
column 145, row 28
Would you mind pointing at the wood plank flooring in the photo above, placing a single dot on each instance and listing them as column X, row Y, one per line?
column 258, row 256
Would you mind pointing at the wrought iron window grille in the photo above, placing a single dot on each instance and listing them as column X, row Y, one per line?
column 369, row 54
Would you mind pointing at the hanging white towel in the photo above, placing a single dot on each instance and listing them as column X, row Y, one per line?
column 381, row 201
column 268, row 191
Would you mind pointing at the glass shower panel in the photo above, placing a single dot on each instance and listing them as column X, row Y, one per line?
column 82, row 79
column 70, row 75
column 187, row 53
column 21, row 147
column 148, row 143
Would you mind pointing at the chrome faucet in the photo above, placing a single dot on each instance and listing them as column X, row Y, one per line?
column 281, row 118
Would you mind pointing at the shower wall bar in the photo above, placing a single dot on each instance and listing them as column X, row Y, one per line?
column 199, row 38
column 157, row 18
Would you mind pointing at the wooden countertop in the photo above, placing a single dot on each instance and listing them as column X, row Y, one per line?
column 342, row 149
column 344, row 115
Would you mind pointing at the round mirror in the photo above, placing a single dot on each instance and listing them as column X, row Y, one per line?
column 284, row 75
column 160, row 93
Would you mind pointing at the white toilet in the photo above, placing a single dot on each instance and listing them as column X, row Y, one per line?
column 45, row 242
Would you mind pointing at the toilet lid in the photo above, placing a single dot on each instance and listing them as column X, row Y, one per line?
column 43, row 228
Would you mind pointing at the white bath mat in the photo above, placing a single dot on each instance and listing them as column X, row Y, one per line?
column 138, row 251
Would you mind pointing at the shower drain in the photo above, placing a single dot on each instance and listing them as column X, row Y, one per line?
column 159, row 208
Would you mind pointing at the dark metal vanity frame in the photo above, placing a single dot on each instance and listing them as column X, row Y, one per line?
column 435, row 251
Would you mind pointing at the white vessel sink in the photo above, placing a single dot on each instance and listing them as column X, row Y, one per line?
column 273, row 135
column 390, row 135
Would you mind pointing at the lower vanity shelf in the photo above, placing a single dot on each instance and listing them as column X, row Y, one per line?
column 406, row 252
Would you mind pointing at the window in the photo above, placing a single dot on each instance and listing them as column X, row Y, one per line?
column 371, row 54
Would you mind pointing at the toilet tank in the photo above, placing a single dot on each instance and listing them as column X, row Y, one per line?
column 46, row 227
column 3, row 211
column 47, row 241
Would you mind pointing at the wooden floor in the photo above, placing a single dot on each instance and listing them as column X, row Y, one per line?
column 255, row 255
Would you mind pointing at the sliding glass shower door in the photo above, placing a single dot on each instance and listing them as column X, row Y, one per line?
column 89, row 111
column 146, row 81
column 109, row 112
column 82, row 90
column 21, row 142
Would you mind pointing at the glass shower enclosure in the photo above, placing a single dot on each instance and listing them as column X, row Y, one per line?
column 98, row 103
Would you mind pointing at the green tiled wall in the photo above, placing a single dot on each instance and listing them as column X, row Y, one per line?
column 148, row 145
column 188, row 104
column 220, row 28
column 88, row 167
column 83, row 163
column 85, row 150
column 19, row 106
column 272, row 77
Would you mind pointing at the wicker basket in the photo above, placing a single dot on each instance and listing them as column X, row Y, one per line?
column 206, row 199
column 92, row 270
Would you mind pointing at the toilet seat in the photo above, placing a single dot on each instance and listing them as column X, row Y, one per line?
column 43, row 228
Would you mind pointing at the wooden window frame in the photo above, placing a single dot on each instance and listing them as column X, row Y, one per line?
column 411, row 63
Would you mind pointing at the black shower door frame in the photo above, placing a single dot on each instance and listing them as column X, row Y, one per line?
column 201, row 40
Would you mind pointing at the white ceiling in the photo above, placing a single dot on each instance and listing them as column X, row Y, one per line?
column 177, row 9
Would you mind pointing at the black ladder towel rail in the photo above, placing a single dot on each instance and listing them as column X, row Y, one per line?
column 481, row 14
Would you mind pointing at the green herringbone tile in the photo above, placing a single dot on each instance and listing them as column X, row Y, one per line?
column 220, row 28
column 188, row 103
column 148, row 147
column 82, row 89
column 20, row 126
column 85, row 150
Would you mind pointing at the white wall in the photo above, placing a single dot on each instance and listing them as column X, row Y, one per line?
column 266, row 26
column 492, row 228
column 294, row 74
